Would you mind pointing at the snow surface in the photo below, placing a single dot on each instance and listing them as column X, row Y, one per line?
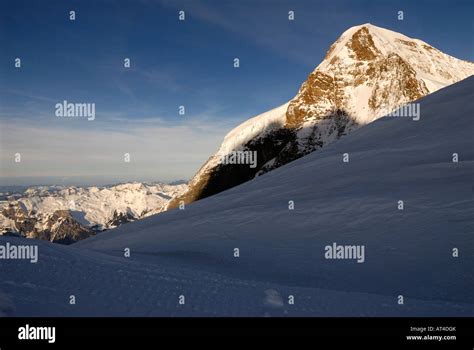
column 252, row 128
column 190, row 252
column 236, row 139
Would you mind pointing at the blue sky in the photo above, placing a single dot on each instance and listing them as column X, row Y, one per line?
column 173, row 63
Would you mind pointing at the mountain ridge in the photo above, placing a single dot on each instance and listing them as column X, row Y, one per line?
column 367, row 72
column 66, row 214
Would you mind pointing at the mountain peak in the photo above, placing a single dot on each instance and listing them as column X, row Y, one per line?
column 366, row 41
column 367, row 72
column 367, row 57
column 373, row 30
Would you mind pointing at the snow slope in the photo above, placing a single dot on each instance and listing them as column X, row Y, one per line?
column 254, row 127
column 191, row 252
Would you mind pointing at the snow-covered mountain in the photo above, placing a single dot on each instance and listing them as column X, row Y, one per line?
column 66, row 214
column 368, row 72
column 282, row 268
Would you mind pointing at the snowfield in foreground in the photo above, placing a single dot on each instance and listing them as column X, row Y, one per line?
column 190, row 252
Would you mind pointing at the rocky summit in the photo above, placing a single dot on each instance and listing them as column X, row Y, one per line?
column 366, row 73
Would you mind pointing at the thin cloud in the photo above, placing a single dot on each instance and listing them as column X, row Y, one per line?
column 157, row 150
column 27, row 94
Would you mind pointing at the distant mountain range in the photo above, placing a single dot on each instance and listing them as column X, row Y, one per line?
column 66, row 214
column 368, row 72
